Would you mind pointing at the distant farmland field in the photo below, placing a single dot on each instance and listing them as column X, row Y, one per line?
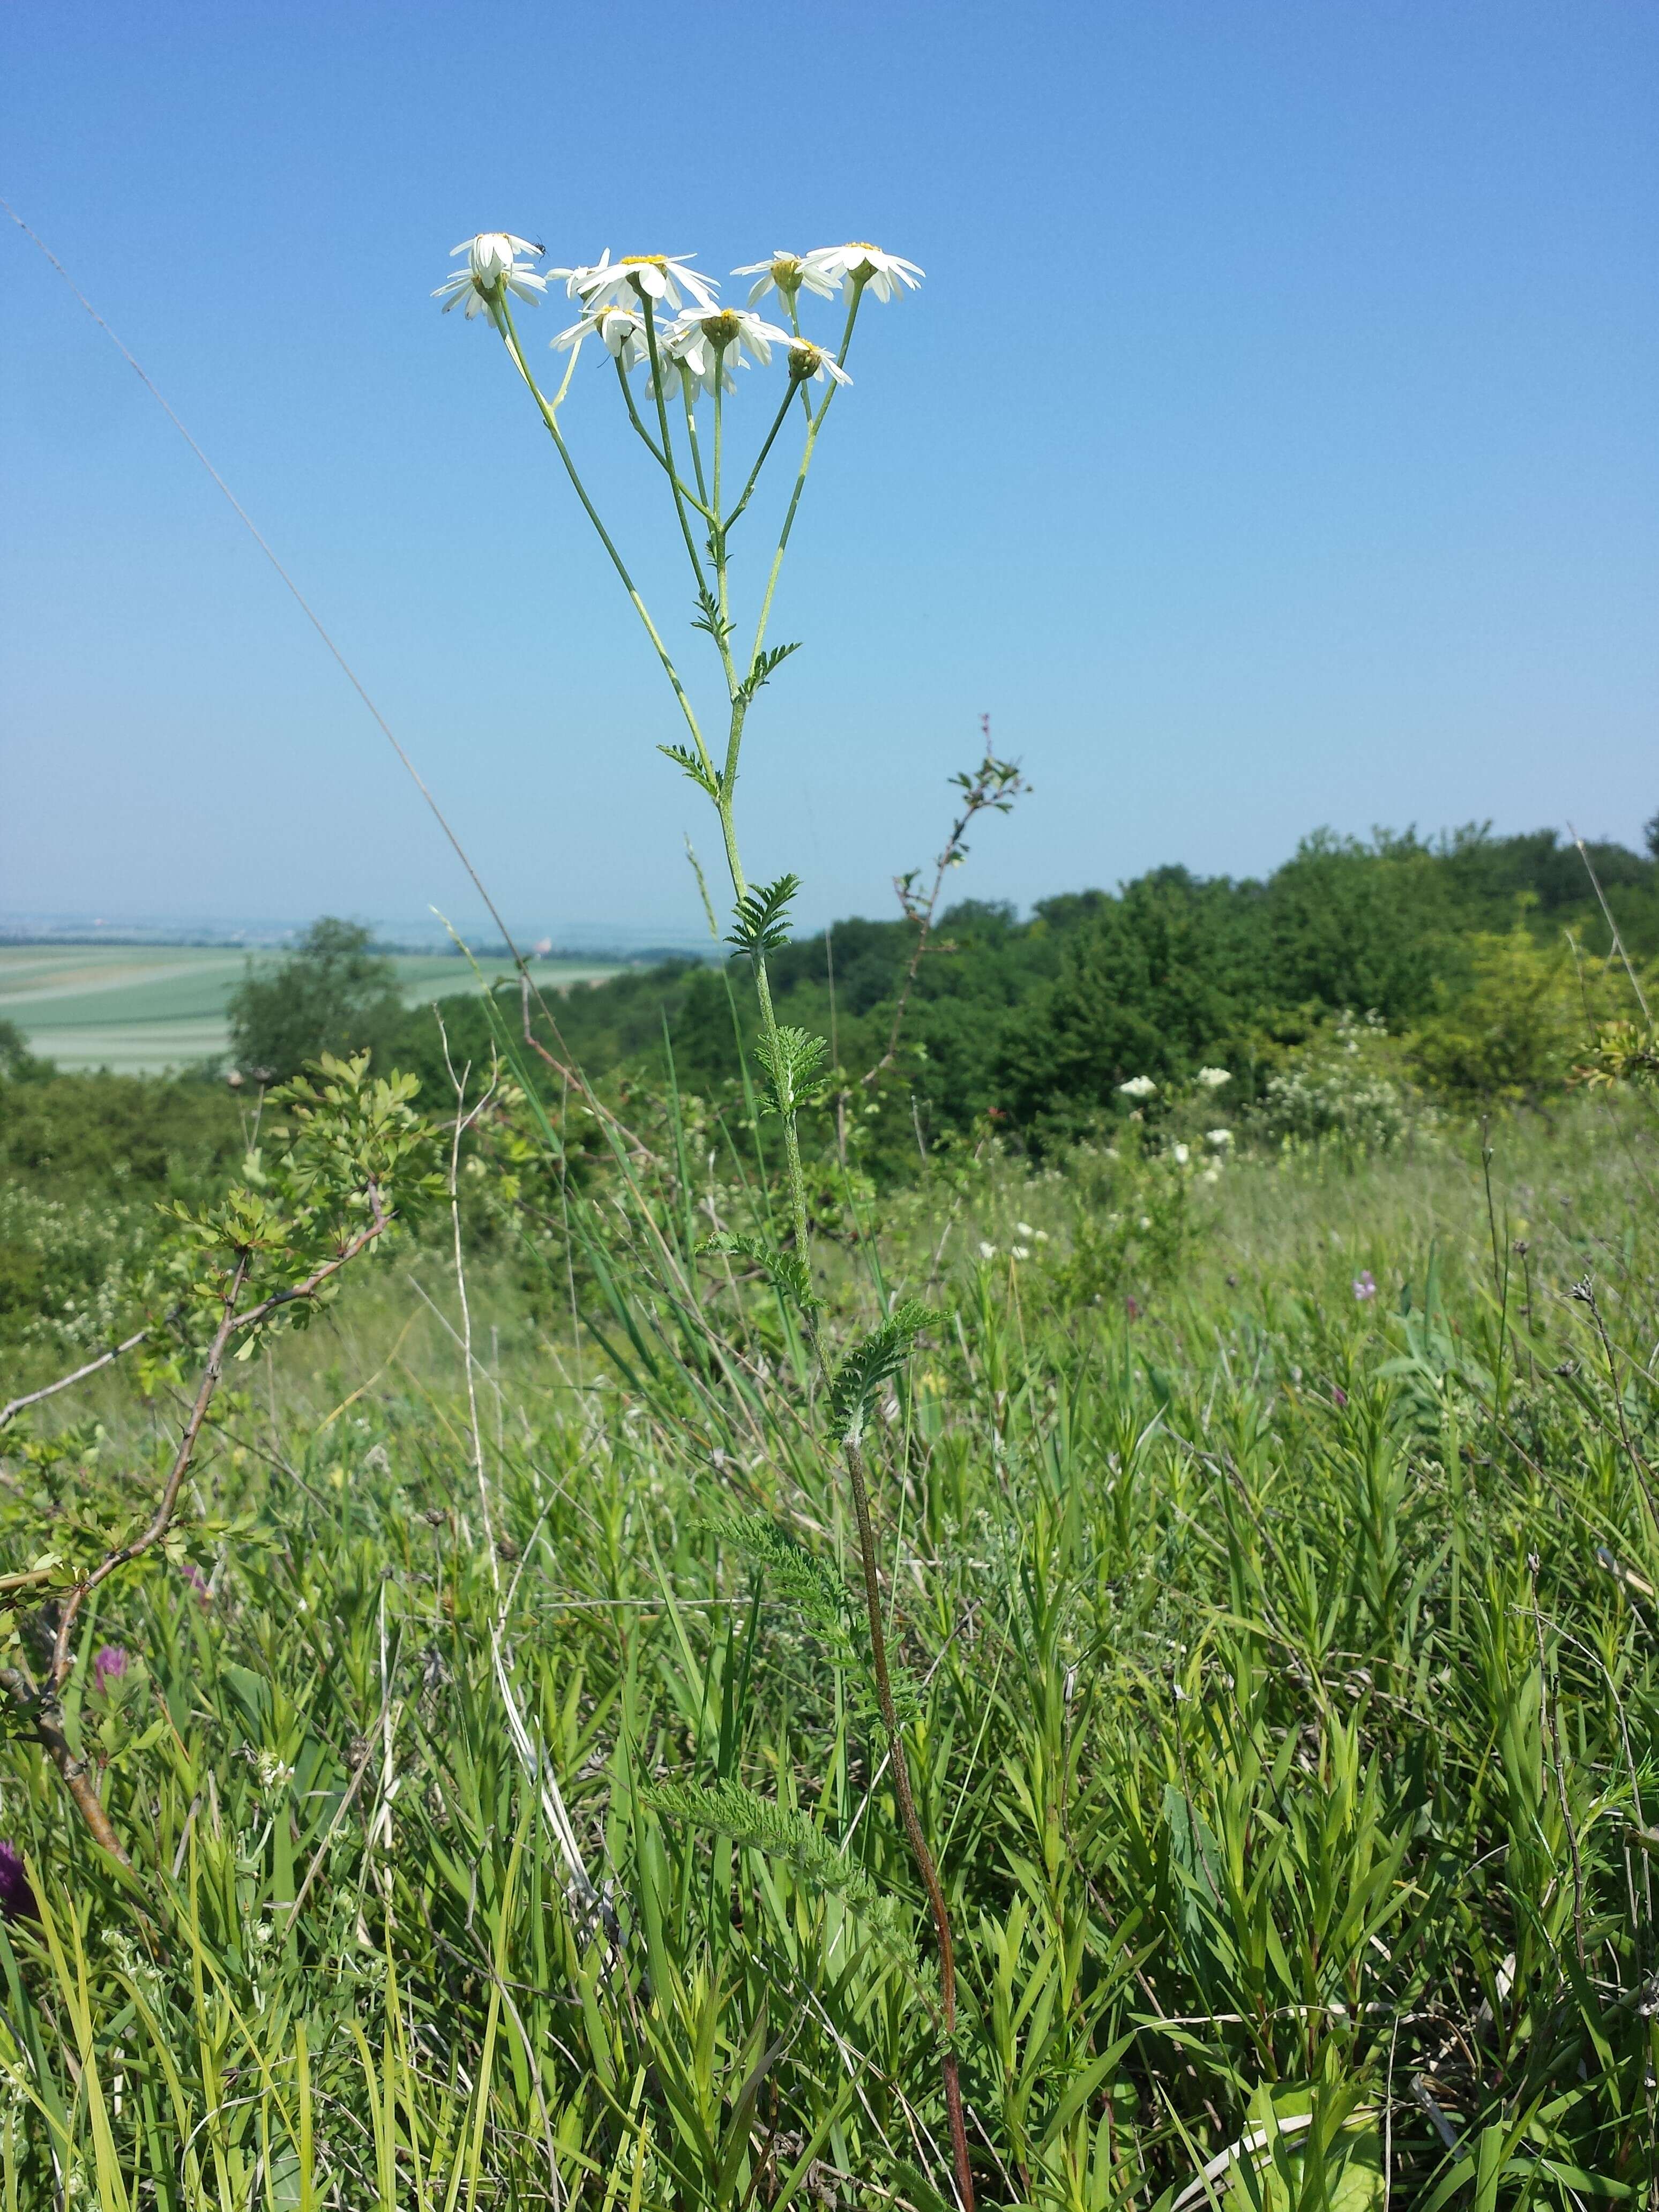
column 139, row 1008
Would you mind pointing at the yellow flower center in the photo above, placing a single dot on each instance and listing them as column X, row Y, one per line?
column 645, row 260
column 721, row 329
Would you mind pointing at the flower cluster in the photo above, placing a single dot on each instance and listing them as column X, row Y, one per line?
column 698, row 343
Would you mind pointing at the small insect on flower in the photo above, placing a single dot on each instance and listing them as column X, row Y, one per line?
column 658, row 277
column 1365, row 1285
column 810, row 364
column 1138, row 1086
column 492, row 269
column 111, row 1663
column 788, row 275
column 619, row 330
column 865, row 267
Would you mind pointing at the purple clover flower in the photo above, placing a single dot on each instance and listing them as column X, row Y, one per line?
column 1365, row 1285
column 16, row 1898
column 110, row 1664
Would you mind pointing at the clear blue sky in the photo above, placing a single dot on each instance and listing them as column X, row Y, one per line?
column 1271, row 445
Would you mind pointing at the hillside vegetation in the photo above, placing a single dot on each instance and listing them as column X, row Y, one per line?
column 475, row 1791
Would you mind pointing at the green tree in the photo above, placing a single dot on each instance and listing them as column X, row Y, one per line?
column 332, row 993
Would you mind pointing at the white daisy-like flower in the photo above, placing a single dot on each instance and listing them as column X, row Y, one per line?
column 1138, row 1086
column 810, row 364
column 785, row 274
column 865, row 266
column 658, row 277
column 620, row 330
column 1213, row 1078
column 707, row 348
column 493, row 265
column 688, row 358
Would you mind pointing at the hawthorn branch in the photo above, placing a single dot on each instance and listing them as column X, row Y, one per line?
column 9, row 1411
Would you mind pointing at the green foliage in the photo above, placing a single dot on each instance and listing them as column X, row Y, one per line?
column 760, row 922
column 332, row 993
column 793, row 1062
column 787, row 1272
column 1272, row 1720
column 1508, row 1036
column 351, row 1154
column 872, row 1360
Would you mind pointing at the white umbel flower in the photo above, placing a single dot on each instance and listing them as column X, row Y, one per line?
column 1138, row 1086
column 619, row 330
column 493, row 267
column 658, row 277
column 810, row 364
column 1213, row 1078
column 785, row 274
column 865, row 265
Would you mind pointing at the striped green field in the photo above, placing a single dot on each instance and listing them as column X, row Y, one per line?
column 140, row 1008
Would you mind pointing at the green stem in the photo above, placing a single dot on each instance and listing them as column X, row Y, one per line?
column 668, row 442
column 814, row 424
column 652, row 447
column 795, row 383
column 549, row 415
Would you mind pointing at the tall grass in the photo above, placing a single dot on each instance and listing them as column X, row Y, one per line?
column 1282, row 1671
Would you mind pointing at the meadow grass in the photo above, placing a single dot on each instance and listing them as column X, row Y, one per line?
column 1280, row 1662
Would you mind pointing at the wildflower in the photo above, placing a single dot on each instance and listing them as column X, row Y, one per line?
column 198, row 1581
column 1213, row 1078
column 658, row 277
column 492, row 269
column 619, row 330
column 810, row 364
column 1041, row 1235
column 788, row 275
column 1218, row 1140
column 1132, row 1307
column 698, row 341
column 1365, row 1285
column 1338, row 1396
column 687, row 354
column 865, row 266
column 1210, row 1175
column 1181, row 1155
column 1025, row 1228
column 987, row 1251
column 16, row 1898
column 1020, row 1251
column 110, row 1664
column 1138, row 1086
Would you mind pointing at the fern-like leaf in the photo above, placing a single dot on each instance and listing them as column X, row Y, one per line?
column 786, row 1271
column 793, row 1062
column 875, row 1359
column 708, row 618
column 684, row 757
column 759, row 920
column 761, row 672
column 726, row 1808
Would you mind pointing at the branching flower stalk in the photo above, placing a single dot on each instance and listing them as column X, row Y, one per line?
column 692, row 358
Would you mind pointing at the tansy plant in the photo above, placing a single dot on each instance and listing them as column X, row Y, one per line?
column 656, row 325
